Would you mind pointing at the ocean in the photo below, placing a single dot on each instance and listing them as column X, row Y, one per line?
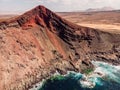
column 104, row 77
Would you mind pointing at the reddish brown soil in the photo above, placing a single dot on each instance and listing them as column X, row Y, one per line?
column 38, row 43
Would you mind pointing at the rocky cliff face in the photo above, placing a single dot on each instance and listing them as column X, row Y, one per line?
column 38, row 43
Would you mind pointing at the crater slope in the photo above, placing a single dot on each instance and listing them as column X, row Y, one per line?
column 38, row 43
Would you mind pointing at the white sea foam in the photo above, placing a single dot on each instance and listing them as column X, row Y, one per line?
column 102, row 70
column 86, row 83
column 108, row 70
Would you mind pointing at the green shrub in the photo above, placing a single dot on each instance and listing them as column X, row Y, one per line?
column 88, row 71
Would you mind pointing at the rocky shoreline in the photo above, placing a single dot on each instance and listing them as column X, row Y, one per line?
column 90, row 80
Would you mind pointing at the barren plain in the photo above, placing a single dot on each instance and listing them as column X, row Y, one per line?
column 104, row 20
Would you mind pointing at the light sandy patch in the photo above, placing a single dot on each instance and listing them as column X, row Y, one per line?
column 103, row 27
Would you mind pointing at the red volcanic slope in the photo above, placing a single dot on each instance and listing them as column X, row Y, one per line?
column 38, row 43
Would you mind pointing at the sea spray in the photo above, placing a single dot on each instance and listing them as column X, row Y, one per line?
column 108, row 71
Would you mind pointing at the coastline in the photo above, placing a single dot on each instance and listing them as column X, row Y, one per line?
column 86, row 80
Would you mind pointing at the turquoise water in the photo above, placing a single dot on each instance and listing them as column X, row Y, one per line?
column 104, row 77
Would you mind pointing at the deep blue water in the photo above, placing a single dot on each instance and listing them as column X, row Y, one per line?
column 104, row 77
